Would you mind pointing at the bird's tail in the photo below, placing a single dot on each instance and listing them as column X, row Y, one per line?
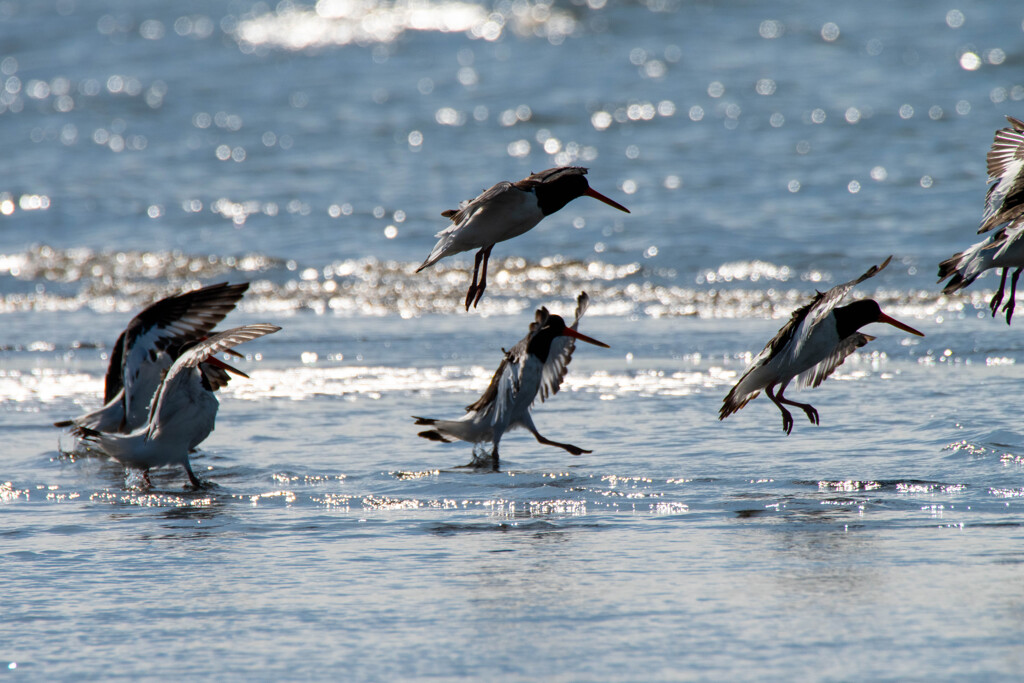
column 85, row 433
column 109, row 418
column 745, row 390
column 121, row 447
column 736, row 399
column 964, row 268
column 450, row 430
column 446, row 239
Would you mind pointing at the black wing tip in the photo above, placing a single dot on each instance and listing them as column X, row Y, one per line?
column 85, row 432
column 64, row 423
column 424, row 420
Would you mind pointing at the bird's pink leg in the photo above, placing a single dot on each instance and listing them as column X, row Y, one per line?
column 483, row 276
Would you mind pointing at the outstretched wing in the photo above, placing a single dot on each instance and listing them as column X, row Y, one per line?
column 221, row 341
column 560, row 355
column 179, row 373
column 113, row 383
column 1005, row 198
column 503, row 381
column 171, row 322
column 822, row 304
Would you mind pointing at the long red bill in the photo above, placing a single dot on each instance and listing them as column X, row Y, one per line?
column 582, row 337
column 883, row 318
column 218, row 363
column 591, row 192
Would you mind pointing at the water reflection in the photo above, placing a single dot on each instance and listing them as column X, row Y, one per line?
column 343, row 22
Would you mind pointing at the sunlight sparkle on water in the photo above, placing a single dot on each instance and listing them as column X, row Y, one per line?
column 343, row 22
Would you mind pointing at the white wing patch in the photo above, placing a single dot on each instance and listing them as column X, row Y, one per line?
column 560, row 355
column 817, row 374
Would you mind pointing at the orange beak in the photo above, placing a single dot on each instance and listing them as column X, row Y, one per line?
column 883, row 318
column 569, row 332
column 591, row 192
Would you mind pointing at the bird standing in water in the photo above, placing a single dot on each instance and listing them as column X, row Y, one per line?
column 535, row 366
column 816, row 340
column 184, row 408
column 505, row 211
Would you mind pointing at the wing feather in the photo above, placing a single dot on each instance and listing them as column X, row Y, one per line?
column 822, row 304
column 179, row 373
column 817, row 374
column 114, row 381
column 1004, row 200
column 155, row 336
column 557, row 365
column 469, row 207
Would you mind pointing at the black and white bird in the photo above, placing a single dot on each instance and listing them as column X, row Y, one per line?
column 816, row 340
column 534, row 367
column 505, row 211
column 146, row 349
column 1004, row 209
column 1003, row 249
column 184, row 408
column 1005, row 199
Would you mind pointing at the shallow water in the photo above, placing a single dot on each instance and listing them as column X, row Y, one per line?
column 764, row 151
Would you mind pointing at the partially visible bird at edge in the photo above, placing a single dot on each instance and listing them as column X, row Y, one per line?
column 1004, row 209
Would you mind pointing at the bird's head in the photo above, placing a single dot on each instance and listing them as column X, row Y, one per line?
column 851, row 318
column 556, row 187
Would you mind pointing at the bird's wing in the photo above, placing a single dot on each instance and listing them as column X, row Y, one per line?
column 500, row 395
column 508, row 388
column 114, row 383
column 1005, row 198
column 505, row 382
column 560, row 355
column 175, row 320
column 468, row 208
column 505, row 378
column 817, row 374
column 179, row 373
column 1007, row 237
column 216, row 377
column 549, row 175
column 822, row 304
column 221, row 341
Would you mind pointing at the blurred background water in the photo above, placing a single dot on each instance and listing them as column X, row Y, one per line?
column 765, row 150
